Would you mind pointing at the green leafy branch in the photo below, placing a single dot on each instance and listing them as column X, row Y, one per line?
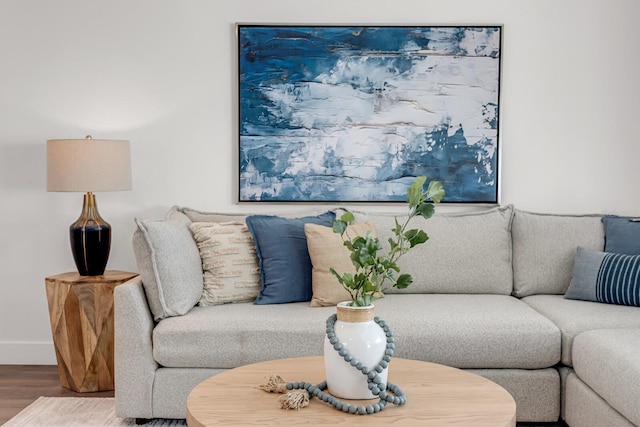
column 374, row 269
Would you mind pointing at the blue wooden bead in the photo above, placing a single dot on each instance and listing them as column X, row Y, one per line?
column 370, row 409
column 384, row 364
column 365, row 370
column 353, row 409
column 371, row 375
column 361, row 410
column 337, row 346
column 379, row 368
column 375, row 391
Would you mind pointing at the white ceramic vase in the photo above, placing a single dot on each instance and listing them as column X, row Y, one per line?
column 363, row 338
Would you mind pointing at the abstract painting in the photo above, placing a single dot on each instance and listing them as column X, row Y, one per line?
column 354, row 113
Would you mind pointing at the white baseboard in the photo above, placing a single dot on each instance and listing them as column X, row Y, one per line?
column 27, row 353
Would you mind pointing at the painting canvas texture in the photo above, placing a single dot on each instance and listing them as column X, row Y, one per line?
column 353, row 114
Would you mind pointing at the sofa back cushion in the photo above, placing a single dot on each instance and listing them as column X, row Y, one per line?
column 544, row 249
column 169, row 264
column 467, row 253
column 200, row 216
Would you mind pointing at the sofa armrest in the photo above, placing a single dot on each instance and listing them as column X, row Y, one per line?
column 134, row 364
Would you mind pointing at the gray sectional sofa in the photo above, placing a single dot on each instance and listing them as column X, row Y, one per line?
column 488, row 297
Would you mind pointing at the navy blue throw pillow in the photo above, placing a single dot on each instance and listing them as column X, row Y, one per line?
column 621, row 235
column 285, row 266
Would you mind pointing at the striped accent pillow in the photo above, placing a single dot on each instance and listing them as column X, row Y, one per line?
column 605, row 277
column 619, row 279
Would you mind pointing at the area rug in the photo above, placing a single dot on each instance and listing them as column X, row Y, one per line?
column 77, row 411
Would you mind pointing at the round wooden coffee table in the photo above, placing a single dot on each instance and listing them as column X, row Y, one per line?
column 436, row 395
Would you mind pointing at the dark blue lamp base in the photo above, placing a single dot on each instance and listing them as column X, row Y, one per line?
column 90, row 239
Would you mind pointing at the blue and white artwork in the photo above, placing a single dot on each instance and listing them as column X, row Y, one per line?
column 353, row 114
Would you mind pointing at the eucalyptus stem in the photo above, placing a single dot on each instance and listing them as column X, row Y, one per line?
column 373, row 269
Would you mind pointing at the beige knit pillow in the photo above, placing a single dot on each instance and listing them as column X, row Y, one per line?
column 229, row 262
column 326, row 251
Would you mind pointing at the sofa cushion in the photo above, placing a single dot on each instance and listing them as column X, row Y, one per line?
column 622, row 235
column 466, row 252
column 229, row 261
column 200, row 216
column 574, row 317
column 285, row 267
column 544, row 248
column 169, row 263
column 605, row 277
column 466, row 331
column 203, row 216
column 608, row 361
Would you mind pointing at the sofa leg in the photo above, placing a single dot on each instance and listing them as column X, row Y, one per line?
column 140, row 421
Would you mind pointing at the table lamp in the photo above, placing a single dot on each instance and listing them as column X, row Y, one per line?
column 89, row 165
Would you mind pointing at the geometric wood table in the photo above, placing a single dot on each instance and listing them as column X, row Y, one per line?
column 81, row 314
column 436, row 395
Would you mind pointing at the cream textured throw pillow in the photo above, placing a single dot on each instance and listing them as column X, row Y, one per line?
column 229, row 262
column 326, row 251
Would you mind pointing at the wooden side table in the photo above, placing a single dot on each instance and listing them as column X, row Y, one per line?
column 81, row 313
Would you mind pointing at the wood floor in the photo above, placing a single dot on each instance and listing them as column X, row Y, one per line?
column 20, row 385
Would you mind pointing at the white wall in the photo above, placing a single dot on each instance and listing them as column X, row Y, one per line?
column 161, row 74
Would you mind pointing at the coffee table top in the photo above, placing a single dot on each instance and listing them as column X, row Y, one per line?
column 436, row 395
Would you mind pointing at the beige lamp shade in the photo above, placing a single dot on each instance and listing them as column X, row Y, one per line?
column 88, row 165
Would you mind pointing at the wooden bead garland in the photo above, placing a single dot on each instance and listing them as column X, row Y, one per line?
column 387, row 393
